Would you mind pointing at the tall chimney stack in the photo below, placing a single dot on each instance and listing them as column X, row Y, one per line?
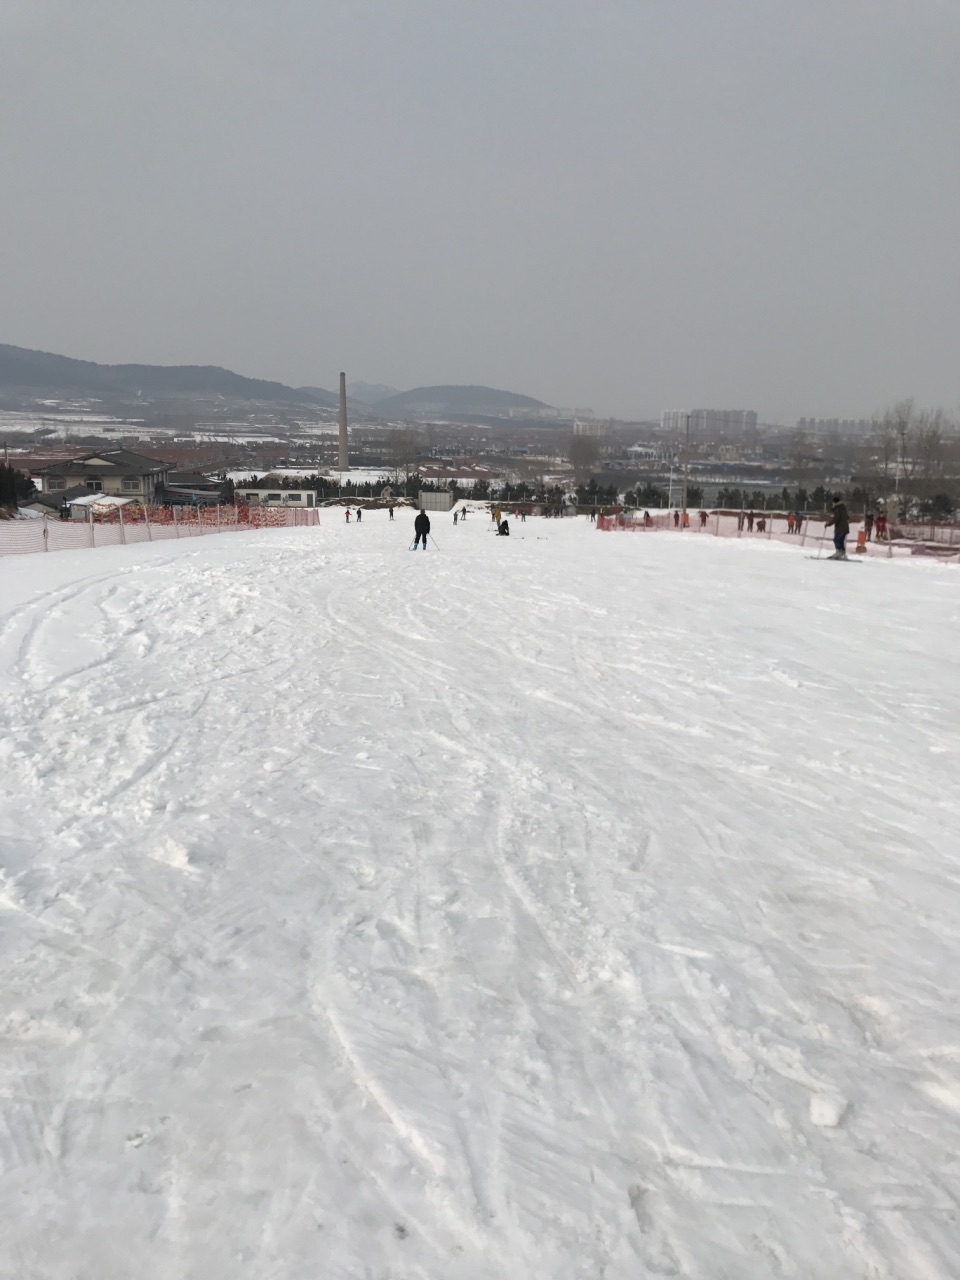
column 344, row 454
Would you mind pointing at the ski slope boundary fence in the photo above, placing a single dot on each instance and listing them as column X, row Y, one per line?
column 939, row 539
column 117, row 526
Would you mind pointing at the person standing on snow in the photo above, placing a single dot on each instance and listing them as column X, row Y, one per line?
column 359, row 514
column 841, row 527
column 421, row 527
column 347, row 514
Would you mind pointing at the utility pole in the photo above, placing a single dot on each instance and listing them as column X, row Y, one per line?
column 686, row 473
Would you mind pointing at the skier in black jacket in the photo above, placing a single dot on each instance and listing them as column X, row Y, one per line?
column 841, row 527
column 421, row 527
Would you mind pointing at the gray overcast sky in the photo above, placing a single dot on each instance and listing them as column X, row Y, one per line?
column 627, row 204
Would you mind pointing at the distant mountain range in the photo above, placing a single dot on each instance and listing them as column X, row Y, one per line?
column 369, row 392
column 42, row 373
column 439, row 402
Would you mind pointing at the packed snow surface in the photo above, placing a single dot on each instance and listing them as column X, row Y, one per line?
column 566, row 905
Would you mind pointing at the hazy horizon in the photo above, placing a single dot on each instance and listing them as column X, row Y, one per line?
column 633, row 206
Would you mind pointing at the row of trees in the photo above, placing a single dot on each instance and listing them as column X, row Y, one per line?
column 914, row 454
column 911, row 454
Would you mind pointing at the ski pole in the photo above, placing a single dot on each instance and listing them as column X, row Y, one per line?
column 434, row 541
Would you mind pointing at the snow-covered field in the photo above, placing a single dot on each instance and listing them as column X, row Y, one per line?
column 572, row 905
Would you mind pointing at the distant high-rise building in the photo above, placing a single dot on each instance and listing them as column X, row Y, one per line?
column 710, row 422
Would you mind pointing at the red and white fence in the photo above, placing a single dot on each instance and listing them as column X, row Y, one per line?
column 117, row 526
column 941, row 539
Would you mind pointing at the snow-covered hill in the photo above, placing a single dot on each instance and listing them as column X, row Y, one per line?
column 569, row 905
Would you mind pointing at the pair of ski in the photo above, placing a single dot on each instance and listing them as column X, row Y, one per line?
column 841, row 559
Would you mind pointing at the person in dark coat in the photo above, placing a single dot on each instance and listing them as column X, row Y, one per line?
column 421, row 527
column 841, row 527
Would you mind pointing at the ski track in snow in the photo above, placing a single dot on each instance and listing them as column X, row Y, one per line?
column 569, row 906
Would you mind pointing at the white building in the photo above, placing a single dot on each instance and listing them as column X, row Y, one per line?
column 265, row 496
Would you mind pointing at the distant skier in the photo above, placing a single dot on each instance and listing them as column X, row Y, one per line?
column 798, row 520
column 421, row 527
column 750, row 518
column 841, row 527
column 391, row 513
column 455, row 519
column 347, row 514
column 676, row 519
column 703, row 519
column 790, row 521
column 359, row 514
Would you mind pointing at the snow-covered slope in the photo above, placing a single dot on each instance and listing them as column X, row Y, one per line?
column 569, row 905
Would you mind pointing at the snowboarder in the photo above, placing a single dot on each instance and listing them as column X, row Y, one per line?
column 841, row 527
column 421, row 527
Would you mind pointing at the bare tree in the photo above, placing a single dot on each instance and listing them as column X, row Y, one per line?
column 402, row 451
column 910, row 452
column 584, row 452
